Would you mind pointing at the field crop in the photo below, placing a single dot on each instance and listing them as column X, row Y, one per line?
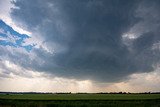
column 79, row 100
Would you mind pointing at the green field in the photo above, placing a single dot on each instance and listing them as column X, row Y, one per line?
column 80, row 96
column 80, row 100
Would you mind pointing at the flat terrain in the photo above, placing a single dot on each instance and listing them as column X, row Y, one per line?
column 79, row 100
column 80, row 96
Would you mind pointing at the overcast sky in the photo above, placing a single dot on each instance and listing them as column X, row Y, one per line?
column 80, row 45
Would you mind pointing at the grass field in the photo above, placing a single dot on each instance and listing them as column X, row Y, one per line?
column 80, row 100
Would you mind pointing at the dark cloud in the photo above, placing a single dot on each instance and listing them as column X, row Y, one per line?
column 86, row 36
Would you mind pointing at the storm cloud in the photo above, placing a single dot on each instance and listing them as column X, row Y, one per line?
column 85, row 38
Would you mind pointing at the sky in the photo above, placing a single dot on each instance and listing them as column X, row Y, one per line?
column 79, row 45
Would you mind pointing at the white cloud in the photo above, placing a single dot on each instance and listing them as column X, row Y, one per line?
column 6, row 8
column 5, row 11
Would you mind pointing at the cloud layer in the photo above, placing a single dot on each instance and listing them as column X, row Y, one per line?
column 91, row 39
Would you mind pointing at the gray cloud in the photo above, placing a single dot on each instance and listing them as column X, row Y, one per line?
column 86, row 36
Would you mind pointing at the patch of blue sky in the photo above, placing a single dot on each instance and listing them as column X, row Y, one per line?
column 6, row 43
column 10, row 37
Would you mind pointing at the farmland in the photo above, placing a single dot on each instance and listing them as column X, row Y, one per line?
column 79, row 100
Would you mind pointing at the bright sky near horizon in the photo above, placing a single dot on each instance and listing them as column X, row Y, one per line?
column 80, row 45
